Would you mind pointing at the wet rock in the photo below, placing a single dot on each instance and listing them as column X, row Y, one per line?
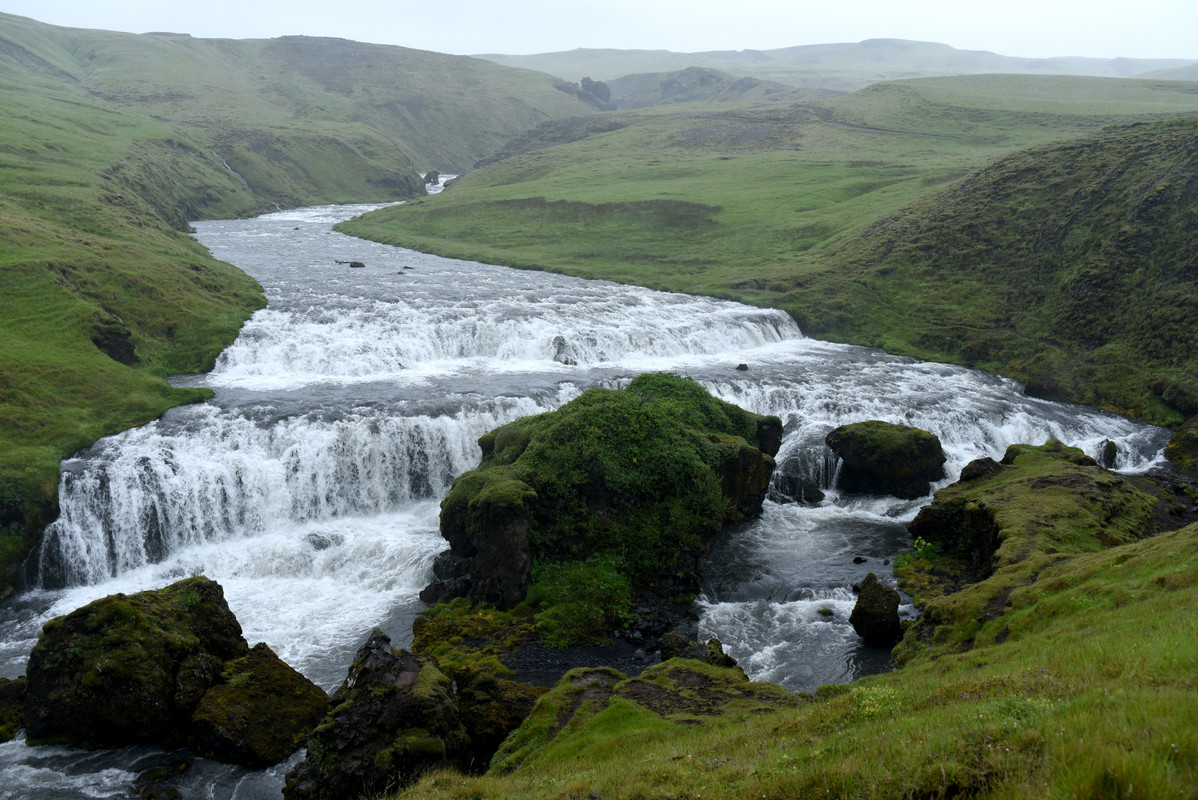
column 170, row 668
column 875, row 617
column 260, row 714
column 1183, row 447
column 980, row 468
column 742, row 367
column 392, row 719
column 432, row 178
column 674, row 645
column 107, row 674
column 491, row 708
column 859, row 560
column 12, row 704
column 1107, row 454
column 882, row 458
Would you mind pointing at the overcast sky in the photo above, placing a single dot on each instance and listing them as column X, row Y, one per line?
column 1097, row 28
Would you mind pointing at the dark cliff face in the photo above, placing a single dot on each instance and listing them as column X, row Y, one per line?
column 643, row 476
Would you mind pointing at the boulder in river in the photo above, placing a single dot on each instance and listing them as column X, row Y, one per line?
column 1183, row 447
column 12, row 705
column 883, row 458
column 392, row 719
column 637, row 480
column 137, row 669
column 875, row 617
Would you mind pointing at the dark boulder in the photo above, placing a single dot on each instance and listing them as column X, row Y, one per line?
column 1108, row 453
column 107, row 674
column 673, row 645
column 1183, row 447
column 392, row 719
column 875, row 618
column 259, row 714
column 882, row 458
column 491, row 708
column 432, row 178
column 166, row 667
column 12, row 704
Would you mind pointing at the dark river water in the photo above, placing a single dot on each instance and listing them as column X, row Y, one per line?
column 309, row 487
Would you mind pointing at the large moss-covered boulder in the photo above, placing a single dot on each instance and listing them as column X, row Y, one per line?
column 883, row 458
column 166, row 667
column 875, row 616
column 108, row 674
column 394, row 717
column 642, row 477
column 256, row 714
column 1183, row 447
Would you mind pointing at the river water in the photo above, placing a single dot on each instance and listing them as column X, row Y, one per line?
column 309, row 486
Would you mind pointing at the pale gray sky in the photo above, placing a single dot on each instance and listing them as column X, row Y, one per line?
column 1036, row 28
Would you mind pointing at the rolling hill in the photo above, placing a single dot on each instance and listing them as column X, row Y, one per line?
column 828, row 67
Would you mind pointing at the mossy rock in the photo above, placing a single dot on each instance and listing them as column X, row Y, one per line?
column 392, row 719
column 260, row 714
column 12, row 706
column 491, row 708
column 1183, row 447
column 645, row 475
column 679, row 691
column 108, row 674
column 883, row 458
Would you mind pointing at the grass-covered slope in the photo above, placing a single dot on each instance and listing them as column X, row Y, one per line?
column 781, row 206
column 698, row 85
column 1068, row 672
column 828, row 67
column 1072, row 266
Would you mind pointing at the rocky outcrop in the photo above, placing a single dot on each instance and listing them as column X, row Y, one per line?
column 875, row 617
column 882, row 458
column 681, row 691
column 166, row 667
column 646, row 475
column 674, row 645
column 393, row 718
column 254, row 716
column 1183, row 447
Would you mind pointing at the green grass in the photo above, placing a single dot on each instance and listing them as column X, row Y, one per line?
column 1089, row 693
column 807, row 208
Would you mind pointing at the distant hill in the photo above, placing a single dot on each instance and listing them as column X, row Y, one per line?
column 699, row 85
column 828, row 67
column 1189, row 73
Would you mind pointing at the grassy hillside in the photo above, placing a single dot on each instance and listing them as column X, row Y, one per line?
column 762, row 205
column 828, row 67
column 1068, row 672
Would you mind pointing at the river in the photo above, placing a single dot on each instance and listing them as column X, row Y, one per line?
column 309, row 486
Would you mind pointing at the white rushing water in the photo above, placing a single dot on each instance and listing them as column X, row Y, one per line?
column 309, row 486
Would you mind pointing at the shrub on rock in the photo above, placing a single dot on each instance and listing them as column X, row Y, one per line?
column 882, row 458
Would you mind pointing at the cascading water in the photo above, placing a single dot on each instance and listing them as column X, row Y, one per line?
column 309, row 486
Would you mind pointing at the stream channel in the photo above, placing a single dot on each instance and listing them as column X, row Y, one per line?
column 309, row 486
